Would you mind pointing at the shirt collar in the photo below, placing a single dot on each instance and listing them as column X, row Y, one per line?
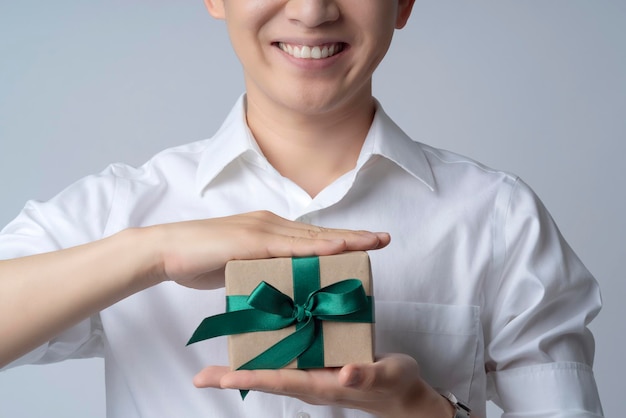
column 388, row 140
column 231, row 141
column 234, row 140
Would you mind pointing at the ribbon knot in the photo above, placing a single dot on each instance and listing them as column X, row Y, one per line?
column 300, row 313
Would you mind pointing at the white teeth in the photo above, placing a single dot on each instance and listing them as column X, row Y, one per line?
column 310, row 52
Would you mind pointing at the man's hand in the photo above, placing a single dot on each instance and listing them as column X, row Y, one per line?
column 194, row 253
column 390, row 388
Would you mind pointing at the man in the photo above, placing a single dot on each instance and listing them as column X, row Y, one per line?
column 478, row 285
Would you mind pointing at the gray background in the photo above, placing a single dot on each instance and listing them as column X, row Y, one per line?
column 534, row 87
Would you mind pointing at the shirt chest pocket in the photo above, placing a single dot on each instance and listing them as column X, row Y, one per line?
column 445, row 340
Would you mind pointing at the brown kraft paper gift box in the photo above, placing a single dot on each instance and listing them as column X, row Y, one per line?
column 344, row 342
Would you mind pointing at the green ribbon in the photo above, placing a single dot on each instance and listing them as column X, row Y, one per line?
column 268, row 309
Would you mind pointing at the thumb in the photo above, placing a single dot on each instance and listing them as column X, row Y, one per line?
column 384, row 375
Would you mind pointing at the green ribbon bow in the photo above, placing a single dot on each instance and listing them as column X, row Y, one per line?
column 268, row 309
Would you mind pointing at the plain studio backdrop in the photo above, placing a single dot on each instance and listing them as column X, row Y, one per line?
column 537, row 88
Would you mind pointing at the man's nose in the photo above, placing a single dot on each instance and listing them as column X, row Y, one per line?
column 312, row 13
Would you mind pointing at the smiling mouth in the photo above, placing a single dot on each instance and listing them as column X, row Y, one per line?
column 316, row 52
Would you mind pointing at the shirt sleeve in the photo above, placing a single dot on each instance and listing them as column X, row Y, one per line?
column 539, row 350
column 76, row 216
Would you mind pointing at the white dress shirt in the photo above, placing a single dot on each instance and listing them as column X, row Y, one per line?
column 477, row 284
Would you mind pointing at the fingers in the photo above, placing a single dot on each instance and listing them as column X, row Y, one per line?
column 210, row 377
column 279, row 237
column 302, row 246
column 286, row 227
column 289, row 382
column 382, row 376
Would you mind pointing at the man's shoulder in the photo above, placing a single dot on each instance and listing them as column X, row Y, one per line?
column 442, row 160
column 176, row 160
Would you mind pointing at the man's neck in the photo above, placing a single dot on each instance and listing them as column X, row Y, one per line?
column 311, row 150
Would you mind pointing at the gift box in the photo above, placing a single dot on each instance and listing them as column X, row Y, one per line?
column 304, row 312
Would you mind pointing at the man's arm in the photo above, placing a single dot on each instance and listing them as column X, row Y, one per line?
column 42, row 295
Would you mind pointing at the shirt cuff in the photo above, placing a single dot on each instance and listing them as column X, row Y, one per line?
column 79, row 341
column 565, row 389
column 30, row 358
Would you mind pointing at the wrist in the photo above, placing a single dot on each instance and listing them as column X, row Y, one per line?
column 141, row 252
column 424, row 402
column 438, row 407
column 460, row 409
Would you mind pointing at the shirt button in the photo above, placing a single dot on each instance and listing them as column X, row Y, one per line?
column 303, row 415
